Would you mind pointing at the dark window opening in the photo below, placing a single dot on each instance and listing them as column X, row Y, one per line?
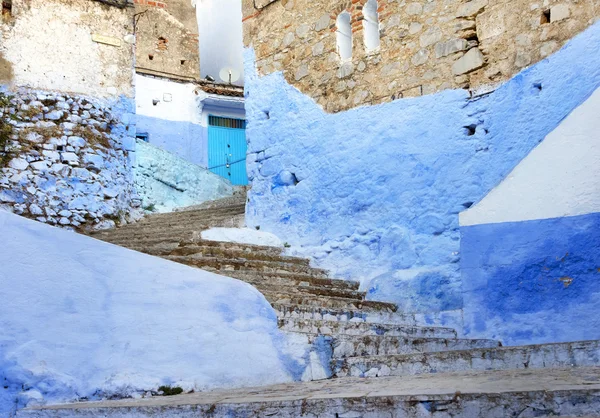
column 545, row 17
column 227, row 122
column 162, row 43
column 182, row 62
column 142, row 137
column 6, row 7
column 150, row 57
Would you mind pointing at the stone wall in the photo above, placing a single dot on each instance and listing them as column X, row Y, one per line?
column 426, row 46
column 167, row 39
column 65, row 159
column 374, row 193
column 80, row 46
column 67, row 125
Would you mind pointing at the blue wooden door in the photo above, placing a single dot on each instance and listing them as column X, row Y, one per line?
column 227, row 149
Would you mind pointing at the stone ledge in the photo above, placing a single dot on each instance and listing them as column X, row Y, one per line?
column 572, row 391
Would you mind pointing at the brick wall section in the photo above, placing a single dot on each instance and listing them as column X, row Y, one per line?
column 426, row 46
column 151, row 3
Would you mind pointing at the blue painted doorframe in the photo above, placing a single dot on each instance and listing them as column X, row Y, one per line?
column 227, row 149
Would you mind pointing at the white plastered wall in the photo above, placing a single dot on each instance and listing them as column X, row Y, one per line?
column 50, row 46
column 560, row 177
column 174, row 101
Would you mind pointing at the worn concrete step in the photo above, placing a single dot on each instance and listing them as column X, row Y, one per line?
column 235, row 254
column 191, row 214
column 573, row 354
column 235, row 200
column 317, row 313
column 305, row 291
column 167, row 234
column 172, row 227
column 489, row 394
column 384, row 345
column 233, row 246
column 223, row 266
column 329, row 302
column 158, row 249
column 159, row 225
column 145, row 242
column 295, row 279
column 363, row 329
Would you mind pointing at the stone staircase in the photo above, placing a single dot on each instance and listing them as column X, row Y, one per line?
column 367, row 339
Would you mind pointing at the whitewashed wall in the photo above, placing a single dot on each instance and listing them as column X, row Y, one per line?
column 560, row 177
column 178, row 122
column 49, row 45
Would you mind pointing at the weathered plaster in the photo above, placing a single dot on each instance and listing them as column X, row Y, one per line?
column 560, row 177
column 530, row 250
column 534, row 281
column 6, row 71
column 374, row 193
column 49, row 45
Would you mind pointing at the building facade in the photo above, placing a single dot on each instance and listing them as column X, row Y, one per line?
column 348, row 53
column 174, row 103
column 67, row 106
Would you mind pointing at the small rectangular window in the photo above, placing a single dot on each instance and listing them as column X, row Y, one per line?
column 227, row 122
column 7, row 8
column 142, row 137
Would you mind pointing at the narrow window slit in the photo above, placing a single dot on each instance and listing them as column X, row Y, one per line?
column 344, row 36
column 371, row 26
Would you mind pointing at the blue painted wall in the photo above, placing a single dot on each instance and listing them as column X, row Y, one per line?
column 184, row 139
column 374, row 193
column 533, row 281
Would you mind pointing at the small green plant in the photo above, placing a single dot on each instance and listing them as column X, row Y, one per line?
column 257, row 227
column 150, row 208
column 170, row 391
column 6, row 131
column 286, row 245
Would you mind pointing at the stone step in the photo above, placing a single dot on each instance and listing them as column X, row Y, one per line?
column 295, row 279
column 149, row 241
column 171, row 228
column 235, row 254
column 489, row 394
column 307, row 313
column 223, row 266
column 235, row 200
column 167, row 234
column 159, row 249
column 159, row 226
column 363, row 329
column 329, row 302
column 200, row 213
column 265, row 286
column 384, row 345
column 234, row 246
column 573, row 354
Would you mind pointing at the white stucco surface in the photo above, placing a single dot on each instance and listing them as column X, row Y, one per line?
column 560, row 177
column 52, row 48
column 176, row 101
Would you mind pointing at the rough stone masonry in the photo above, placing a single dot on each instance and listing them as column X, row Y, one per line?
column 65, row 160
column 425, row 46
